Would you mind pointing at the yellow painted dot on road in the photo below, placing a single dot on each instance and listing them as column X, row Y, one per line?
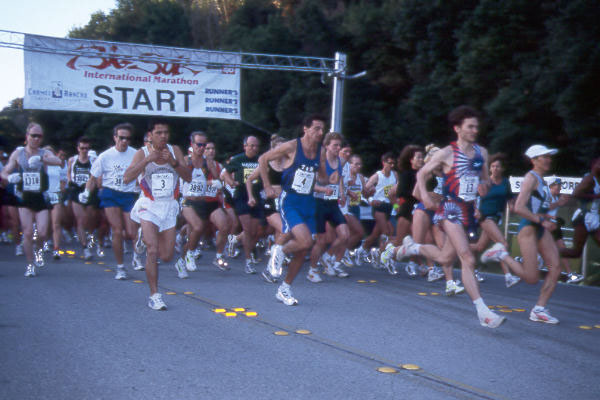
column 410, row 367
column 387, row 370
column 505, row 310
column 281, row 333
column 219, row 310
column 434, row 293
column 422, row 294
column 491, row 307
column 518, row 309
column 303, row 332
column 70, row 252
column 87, row 263
column 373, row 281
column 585, row 327
column 251, row 313
column 109, row 270
column 100, row 262
column 239, row 309
column 138, row 281
column 61, row 252
column 361, row 281
column 230, row 314
column 502, row 307
column 188, row 292
column 597, row 326
column 170, row 293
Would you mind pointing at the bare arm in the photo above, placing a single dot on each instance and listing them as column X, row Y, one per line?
column 51, row 159
column 10, row 166
column 426, row 172
column 584, row 189
column 138, row 163
column 484, row 183
column 286, row 150
column 527, row 187
column 254, row 175
column 179, row 164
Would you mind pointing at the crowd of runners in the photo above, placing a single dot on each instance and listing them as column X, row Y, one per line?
column 303, row 200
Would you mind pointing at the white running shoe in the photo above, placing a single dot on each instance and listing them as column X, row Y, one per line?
column 39, row 258
column 87, row 254
column 386, row 256
column 490, row 319
column 220, row 263
column 30, row 271
column 121, row 274
column 249, row 268
column 284, row 294
column 511, row 280
column 56, row 254
column 190, row 261
column 276, row 260
column 99, row 251
column 339, row 270
column 137, row 263
column 495, row 253
column 374, row 256
column 231, row 242
column 453, row 288
column 359, row 256
column 267, row 277
column 542, row 315
column 19, row 250
column 347, row 260
column 478, row 276
column 411, row 269
column 47, row 246
column 574, row 278
column 156, row 302
column 314, row 276
column 435, row 274
column 180, row 268
column 408, row 248
column 140, row 246
column 327, row 261
column 179, row 242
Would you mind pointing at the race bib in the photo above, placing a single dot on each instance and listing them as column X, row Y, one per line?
column 162, row 185
column 468, row 187
column 81, row 179
column 357, row 201
column 303, row 181
column 119, row 181
column 196, row 189
column 247, row 173
column 32, row 182
column 211, row 191
column 386, row 190
column 335, row 194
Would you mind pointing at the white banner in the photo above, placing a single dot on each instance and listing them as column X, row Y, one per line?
column 567, row 183
column 126, row 78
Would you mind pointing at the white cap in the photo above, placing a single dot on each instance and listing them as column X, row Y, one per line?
column 539, row 150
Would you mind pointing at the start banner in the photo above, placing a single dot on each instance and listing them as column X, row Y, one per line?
column 126, row 78
column 566, row 187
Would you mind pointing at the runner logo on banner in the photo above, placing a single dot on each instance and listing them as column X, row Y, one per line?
column 127, row 78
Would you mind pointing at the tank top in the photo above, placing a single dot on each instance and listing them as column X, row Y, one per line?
column 34, row 180
column 275, row 176
column 80, row 172
column 213, row 184
column 333, row 180
column 461, row 182
column 299, row 178
column 197, row 186
column 593, row 206
column 159, row 182
column 539, row 202
column 355, row 187
column 384, row 185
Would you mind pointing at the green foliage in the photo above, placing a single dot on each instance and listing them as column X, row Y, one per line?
column 530, row 65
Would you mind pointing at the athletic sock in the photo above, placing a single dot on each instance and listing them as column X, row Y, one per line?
column 480, row 305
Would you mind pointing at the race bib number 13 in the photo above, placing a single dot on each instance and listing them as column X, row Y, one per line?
column 468, row 187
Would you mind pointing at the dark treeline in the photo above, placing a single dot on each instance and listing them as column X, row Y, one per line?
column 531, row 66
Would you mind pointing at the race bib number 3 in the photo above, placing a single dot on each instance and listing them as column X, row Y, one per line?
column 162, row 185
column 468, row 187
column 303, row 181
column 31, row 182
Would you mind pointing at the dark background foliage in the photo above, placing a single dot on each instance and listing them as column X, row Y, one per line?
column 531, row 66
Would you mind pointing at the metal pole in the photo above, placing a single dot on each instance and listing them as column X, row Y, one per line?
column 584, row 256
column 338, row 92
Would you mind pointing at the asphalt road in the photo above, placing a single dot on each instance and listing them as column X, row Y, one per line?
column 74, row 332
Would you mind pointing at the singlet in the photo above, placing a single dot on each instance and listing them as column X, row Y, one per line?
column 355, row 187
column 54, row 178
column 197, row 186
column 35, row 180
column 159, row 182
column 331, row 177
column 593, row 206
column 213, row 184
column 461, row 182
column 299, row 178
column 80, row 172
column 275, row 176
column 384, row 185
column 539, row 201
column 495, row 200
column 111, row 166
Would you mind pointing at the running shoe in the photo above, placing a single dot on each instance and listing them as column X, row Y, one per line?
column 87, row 254
column 190, row 261
column 411, row 269
column 39, row 258
column 453, row 288
column 30, row 271
column 220, row 263
column 253, row 259
column 249, row 268
column 19, row 250
column 276, row 260
column 327, row 261
column 156, row 302
column 519, row 259
column 490, row 319
column 121, row 274
column 542, row 315
column 347, row 260
column 574, row 278
column 435, row 274
column 511, row 280
column 408, row 248
column 284, row 294
column 56, row 254
column 267, row 277
column 495, row 253
column 180, row 268
column 99, row 251
column 179, row 242
column 478, row 276
column 140, row 246
column 339, row 270
column 314, row 276
column 374, row 256
column 231, row 242
column 386, row 255
column 360, row 255
column 540, row 263
column 137, row 263
column 47, row 246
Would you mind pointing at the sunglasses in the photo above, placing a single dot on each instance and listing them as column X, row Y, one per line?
column 84, row 148
column 36, row 136
column 200, row 144
column 124, row 137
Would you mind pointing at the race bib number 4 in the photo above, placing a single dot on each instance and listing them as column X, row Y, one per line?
column 162, row 185
column 468, row 187
column 303, row 181
column 31, row 181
